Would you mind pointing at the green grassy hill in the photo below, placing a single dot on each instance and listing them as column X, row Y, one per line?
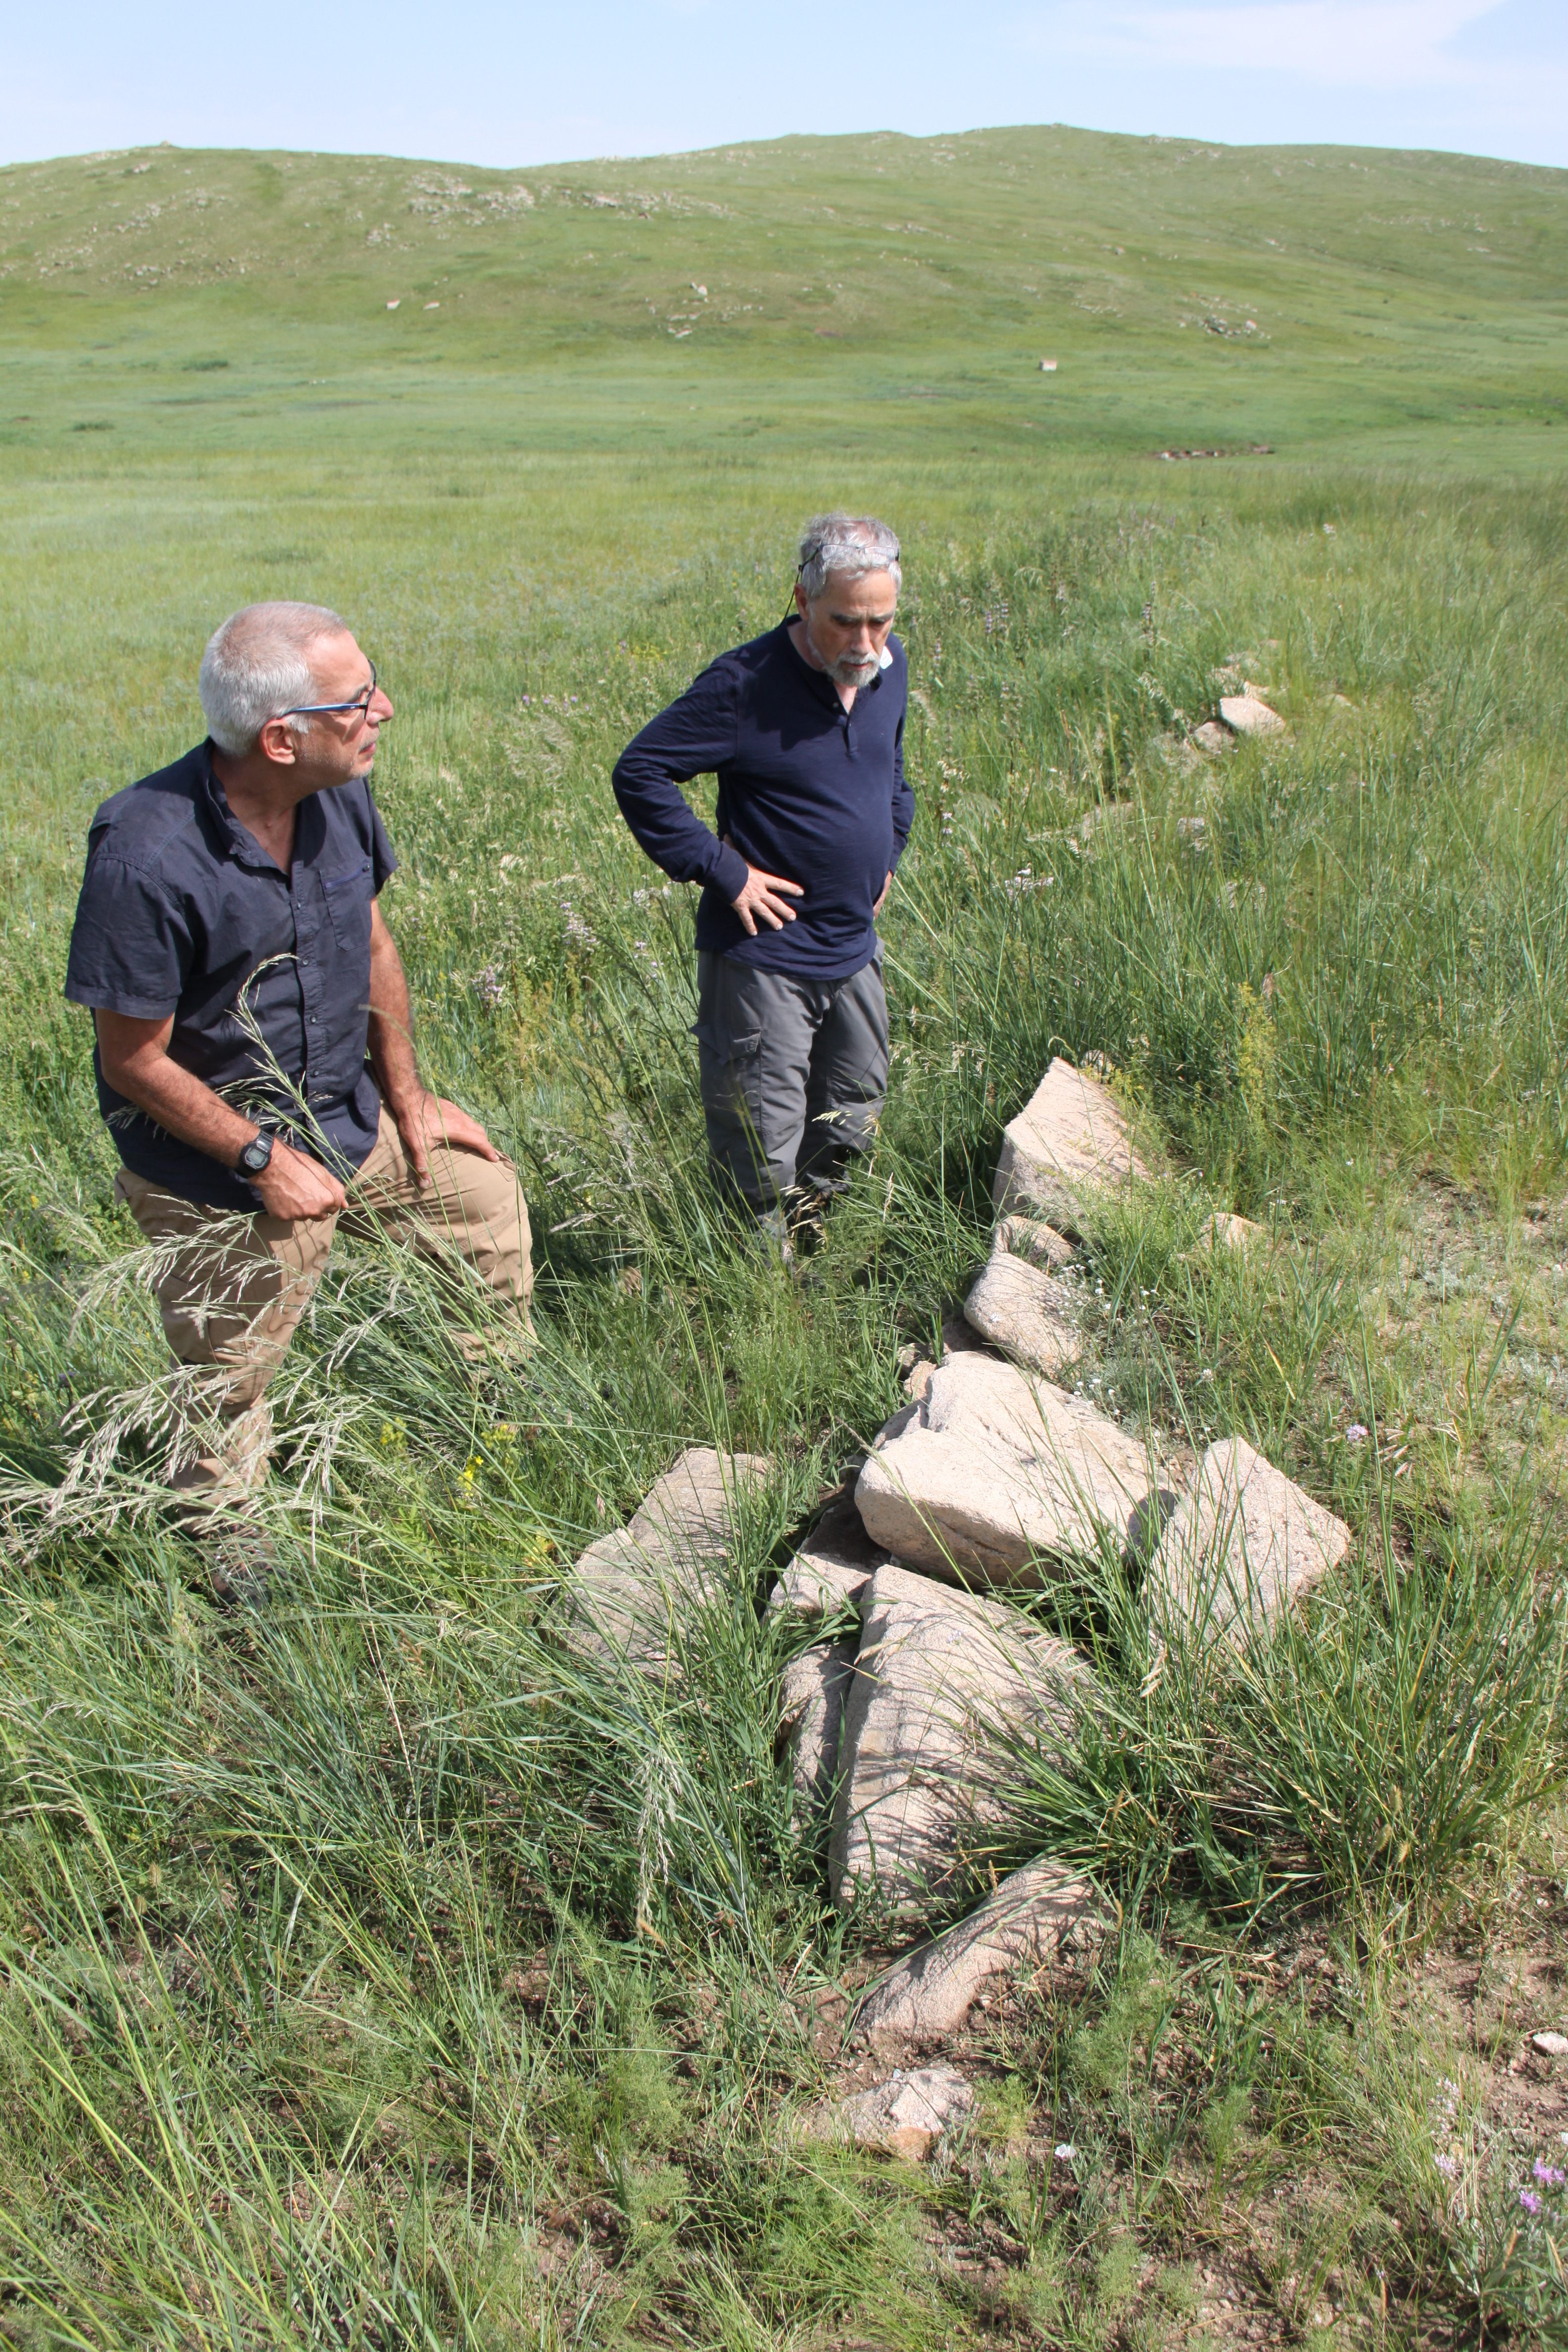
column 1191, row 294
column 373, row 1968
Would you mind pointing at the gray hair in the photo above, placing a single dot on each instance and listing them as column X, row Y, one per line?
column 850, row 545
column 256, row 666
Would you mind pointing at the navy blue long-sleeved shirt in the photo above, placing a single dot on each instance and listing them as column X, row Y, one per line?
column 806, row 790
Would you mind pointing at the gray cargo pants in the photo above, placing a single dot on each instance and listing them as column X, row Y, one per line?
column 793, row 1072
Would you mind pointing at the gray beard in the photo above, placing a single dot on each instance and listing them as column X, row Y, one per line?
column 851, row 672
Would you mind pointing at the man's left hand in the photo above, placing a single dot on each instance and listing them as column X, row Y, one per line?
column 430, row 1122
column 883, row 899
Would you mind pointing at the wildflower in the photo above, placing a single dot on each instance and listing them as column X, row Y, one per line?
column 1356, row 1434
column 490, row 987
column 1448, row 2166
column 1066, row 2151
column 1206, row 1374
column 1548, row 2174
column 1530, row 2200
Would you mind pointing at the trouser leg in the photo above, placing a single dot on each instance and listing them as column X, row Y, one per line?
column 470, row 1204
column 849, row 1079
column 230, row 1292
column 754, row 1032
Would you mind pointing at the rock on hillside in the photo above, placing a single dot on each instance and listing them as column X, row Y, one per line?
column 1042, row 1914
column 991, row 1473
column 923, row 1768
column 631, row 1593
column 1069, row 1141
column 1024, row 1311
column 1243, row 1543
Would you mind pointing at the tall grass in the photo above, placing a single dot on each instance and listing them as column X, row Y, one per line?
column 380, row 1970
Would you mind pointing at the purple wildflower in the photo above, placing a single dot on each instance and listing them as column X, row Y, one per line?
column 1548, row 2174
column 1530, row 2200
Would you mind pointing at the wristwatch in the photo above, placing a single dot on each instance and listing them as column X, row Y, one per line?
column 255, row 1154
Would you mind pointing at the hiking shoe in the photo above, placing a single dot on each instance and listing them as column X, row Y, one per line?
column 242, row 1561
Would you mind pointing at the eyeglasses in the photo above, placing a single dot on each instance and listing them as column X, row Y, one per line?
column 361, row 702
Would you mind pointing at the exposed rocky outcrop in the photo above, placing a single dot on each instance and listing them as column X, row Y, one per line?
column 906, row 2115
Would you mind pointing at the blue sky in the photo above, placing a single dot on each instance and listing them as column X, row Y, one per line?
column 481, row 83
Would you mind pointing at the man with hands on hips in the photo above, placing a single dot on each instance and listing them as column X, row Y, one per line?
column 803, row 727
column 253, row 1048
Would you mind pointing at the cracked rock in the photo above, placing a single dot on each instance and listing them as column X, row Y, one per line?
column 1070, row 1140
column 944, row 1682
column 992, row 1472
column 1243, row 1543
column 1042, row 1914
column 631, row 1593
column 1027, row 1313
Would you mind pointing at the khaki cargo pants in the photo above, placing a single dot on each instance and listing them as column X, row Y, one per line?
column 231, row 1300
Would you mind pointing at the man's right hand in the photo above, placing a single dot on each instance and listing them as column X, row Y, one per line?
column 765, row 895
column 292, row 1185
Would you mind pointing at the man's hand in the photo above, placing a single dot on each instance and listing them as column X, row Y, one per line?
column 764, row 894
column 292, row 1184
column 882, row 901
column 427, row 1122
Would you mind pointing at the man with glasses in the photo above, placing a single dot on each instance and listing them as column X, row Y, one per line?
column 805, row 729
column 252, row 1054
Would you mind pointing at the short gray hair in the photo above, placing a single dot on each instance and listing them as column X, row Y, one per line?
column 850, row 545
column 256, row 666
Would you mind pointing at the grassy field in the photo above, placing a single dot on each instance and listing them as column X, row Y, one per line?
column 372, row 1972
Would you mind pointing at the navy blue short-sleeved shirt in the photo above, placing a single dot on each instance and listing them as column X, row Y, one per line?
column 181, row 911
column 806, row 790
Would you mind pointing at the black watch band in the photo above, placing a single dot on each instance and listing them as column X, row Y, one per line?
column 255, row 1154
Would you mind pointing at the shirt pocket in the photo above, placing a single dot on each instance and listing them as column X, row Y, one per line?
column 349, row 897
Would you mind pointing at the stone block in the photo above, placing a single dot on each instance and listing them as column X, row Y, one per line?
column 1248, row 714
column 630, row 1594
column 832, row 1566
column 1069, row 1142
column 811, row 1722
column 992, row 1474
column 1027, row 1313
column 906, row 2115
column 1043, row 1914
column 943, row 1680
column 1243, row 1543
column 1040, row 1243
column 1224, row 1231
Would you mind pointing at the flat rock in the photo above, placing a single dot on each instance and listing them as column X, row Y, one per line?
column 1027, row 1313
column 1245, row 714
column 924, row 1765
column 991, row 1474
column 1551, row 2045
column 811, row 1721
column 630, row 1592
column 832, row 1567
column 1069, row 1141
column 1243, row 1543
column 1042, row 1914
column 906, row 2115
column 1212, row 737
column 1039, row 1242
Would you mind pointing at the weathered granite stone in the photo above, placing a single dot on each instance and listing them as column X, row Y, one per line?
column 1042, row 1914
column 830, row 1570
column 1027, row 1313
column 1243, row 1543
column 906, row 2115
column 1212, row 737
column 1224, row 1231
column 1069, row 1142
column 630, row 1591
column 811, row 1722
column 923, row 1763
column 1040, row 1243
column 1245, row 714
column 991, row 1474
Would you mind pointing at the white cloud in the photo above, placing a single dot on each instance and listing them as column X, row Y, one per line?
column 1359, row 44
